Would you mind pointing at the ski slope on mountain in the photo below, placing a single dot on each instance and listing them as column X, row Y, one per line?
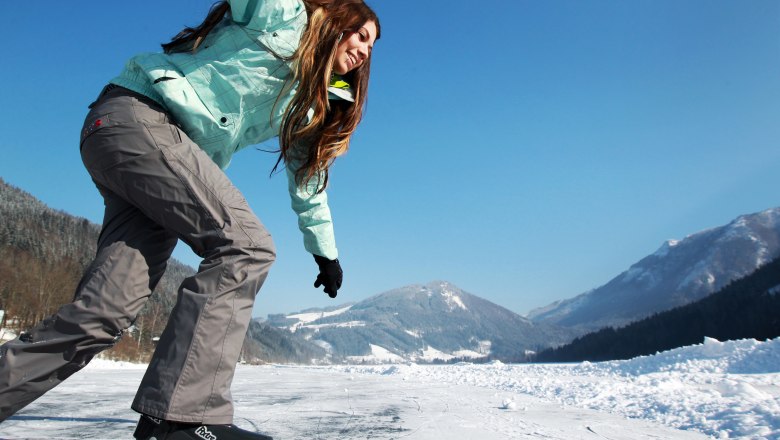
column 711, row 390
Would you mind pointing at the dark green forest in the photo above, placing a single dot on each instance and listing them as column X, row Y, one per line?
column 745, row 308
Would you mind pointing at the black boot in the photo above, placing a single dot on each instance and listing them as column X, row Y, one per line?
column 150, row 428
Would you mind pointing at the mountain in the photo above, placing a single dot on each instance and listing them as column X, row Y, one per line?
column 267, row 344
column 436, row 321
column 747, row 308
column 679, row 273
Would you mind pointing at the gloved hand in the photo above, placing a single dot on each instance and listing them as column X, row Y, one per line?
column 330, row 275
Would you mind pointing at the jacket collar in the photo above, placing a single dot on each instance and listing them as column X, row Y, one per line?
column 340, row 89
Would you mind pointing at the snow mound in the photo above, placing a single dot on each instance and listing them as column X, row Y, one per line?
column 746, row 356
column 509, row 405
column 722, row 389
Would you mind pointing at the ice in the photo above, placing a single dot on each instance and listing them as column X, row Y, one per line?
column 710, row 390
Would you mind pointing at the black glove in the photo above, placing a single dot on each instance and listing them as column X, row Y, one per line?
column 330, row 275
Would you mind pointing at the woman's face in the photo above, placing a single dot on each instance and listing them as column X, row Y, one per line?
column 354, row 48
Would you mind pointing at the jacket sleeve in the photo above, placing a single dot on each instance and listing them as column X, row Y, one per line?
column 265, row 15
column 314, row 219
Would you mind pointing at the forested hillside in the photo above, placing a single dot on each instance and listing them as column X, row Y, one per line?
column 745, row 308
column 266, row 343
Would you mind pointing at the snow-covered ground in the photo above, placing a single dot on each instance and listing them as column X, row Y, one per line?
column 711, row 390
column 723, row 389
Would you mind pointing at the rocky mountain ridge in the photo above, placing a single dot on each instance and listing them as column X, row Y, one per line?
column 678, row 273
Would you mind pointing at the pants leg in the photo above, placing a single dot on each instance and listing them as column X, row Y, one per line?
column 143, row 158
column 131, row 258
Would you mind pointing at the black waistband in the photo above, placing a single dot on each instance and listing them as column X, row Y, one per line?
column 119, row 90
column 109, row 87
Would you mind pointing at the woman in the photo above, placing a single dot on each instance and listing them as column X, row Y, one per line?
column 155, row 143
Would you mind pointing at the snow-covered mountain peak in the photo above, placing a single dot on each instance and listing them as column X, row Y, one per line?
column 436, row 320
column 679, row 272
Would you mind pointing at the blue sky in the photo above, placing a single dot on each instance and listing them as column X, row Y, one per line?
column 526, row 151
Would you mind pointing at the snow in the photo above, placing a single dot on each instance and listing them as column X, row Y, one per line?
column 741, row 229
column 468, row 354
column 699, row 275
column 309, row 317
column 666, row 247
column 722, row 389
column 452, row 299
column 348, row 324
column 305, row 318
column 509, row 404
column 378, row 355
column 6, row 335
column 430, row 354
column 710, row 390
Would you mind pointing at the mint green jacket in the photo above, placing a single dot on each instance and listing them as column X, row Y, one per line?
column 226, row 95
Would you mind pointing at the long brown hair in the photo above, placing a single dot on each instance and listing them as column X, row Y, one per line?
column 311, row 145
column 314, row 145
column 189, row 38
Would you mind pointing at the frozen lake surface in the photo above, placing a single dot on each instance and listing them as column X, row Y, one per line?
column 712, row 390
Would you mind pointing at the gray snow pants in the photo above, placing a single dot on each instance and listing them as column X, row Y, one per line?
column 158, row 187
